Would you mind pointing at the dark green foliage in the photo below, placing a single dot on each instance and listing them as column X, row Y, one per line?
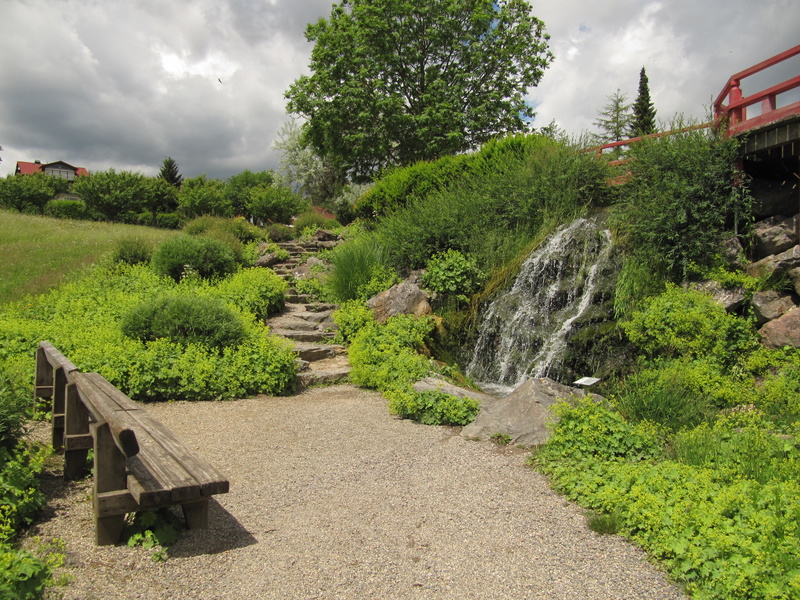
column 680, row 202
column 14, row 405
column 271, row 204
column 614, row 120
column 159, row 196
column 183, row 255
column 67, row 209
column 644, row 113
column 239, row 227
column 30, row 193
column 170, row 173
column 185, row 319
column 407, row 81
column 603, row 523
column 133, row 251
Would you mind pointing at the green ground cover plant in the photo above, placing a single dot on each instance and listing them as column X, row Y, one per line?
column 39, row 253
column 83, row 319
column 722, row 514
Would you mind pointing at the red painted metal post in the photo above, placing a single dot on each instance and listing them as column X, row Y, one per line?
column 738, row 114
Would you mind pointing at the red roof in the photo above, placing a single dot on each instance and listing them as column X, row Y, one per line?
column 28, row 168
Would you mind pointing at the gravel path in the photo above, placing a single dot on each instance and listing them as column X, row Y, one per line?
column 332, row 497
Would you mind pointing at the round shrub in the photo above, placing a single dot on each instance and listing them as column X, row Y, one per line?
column 258, row 291
column 67, row 209
column 238, row 228
column 168, row 220
column 314, row 220
column 278, row 232
column 185, row 319
column 133, row 251
column 179, row 256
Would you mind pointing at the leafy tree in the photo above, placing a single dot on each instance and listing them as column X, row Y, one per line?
column 305, row 171
column 202, row 196
column 237, row 188
column 403, row 81
column 644, row 113
column 161, row 196
column 30, row 193
column 111, row 194
column 614, row 121
column 169, row 172
column 270, row 203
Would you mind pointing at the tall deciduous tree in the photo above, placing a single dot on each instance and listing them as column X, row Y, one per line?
column 644, row 112
column 614, row 121
column 406, row 80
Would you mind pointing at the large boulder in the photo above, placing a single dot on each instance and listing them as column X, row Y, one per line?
column 731, row 298
column 523, row 415
column 267, row 260
column 434, row 384
column 775, row 235
column 770, row 305
column 783, row 331
column 794, row 277
column 776, row 263
column 733, row 252
column 404, row 298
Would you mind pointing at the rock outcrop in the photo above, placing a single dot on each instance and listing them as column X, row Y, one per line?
column 524, row 415
column 403, row 298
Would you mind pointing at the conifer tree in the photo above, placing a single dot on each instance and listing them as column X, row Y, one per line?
column 644, row 113
column 614, row 121
column 169, row 172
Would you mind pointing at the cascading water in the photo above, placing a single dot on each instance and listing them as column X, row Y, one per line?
column 524, row 331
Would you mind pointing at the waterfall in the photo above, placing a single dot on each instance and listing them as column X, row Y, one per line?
column 523, row 332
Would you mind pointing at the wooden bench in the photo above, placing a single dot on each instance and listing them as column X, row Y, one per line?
column 138, row 463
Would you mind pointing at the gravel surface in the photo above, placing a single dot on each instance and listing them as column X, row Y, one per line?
column 332, row 497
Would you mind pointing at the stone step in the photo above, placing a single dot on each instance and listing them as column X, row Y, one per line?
column 311, row 352
column 321, row 307
column 309, row 378
column 304, row 336
column 294, row 298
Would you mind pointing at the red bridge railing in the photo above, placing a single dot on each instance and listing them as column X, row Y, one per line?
column 731, row 105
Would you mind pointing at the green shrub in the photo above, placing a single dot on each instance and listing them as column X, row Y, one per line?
column 20, row 497
column 67, row 209
column 359, row 269
column 169, row 220
column 350, row 318
column 270, row 203
column 14, row 403
column 313, row 219
column 385, row 356
column 257, row 291
column 23, row 576
column 278, row 232
column 687, row 323
column 238, row 227
column 452, row 274
column 185, row 319
column 681, row 200
column 665, row 396
column 133, row 251
column 433, row 408
column 179, row 256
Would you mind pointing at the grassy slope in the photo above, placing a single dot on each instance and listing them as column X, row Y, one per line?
column 38, row 253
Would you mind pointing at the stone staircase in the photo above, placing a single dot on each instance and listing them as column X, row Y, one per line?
column 307, row 322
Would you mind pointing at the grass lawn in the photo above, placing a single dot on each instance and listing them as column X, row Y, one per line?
column 38, row 253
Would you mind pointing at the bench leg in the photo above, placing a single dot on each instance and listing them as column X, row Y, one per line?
column 76, row 422
column 196, row 514
column 109, row 476
column 107, row 530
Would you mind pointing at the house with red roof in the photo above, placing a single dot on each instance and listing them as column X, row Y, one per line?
column 56, row 169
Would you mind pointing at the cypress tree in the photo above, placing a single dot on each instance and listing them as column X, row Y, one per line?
column 644, row 113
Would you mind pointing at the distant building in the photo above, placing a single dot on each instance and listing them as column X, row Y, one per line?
column 56, row 169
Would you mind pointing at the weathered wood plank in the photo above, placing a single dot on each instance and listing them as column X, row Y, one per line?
column 77, row 439
column 120, row 422
column 107, row 504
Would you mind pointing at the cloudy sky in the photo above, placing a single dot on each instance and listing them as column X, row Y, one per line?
column 124, row 83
